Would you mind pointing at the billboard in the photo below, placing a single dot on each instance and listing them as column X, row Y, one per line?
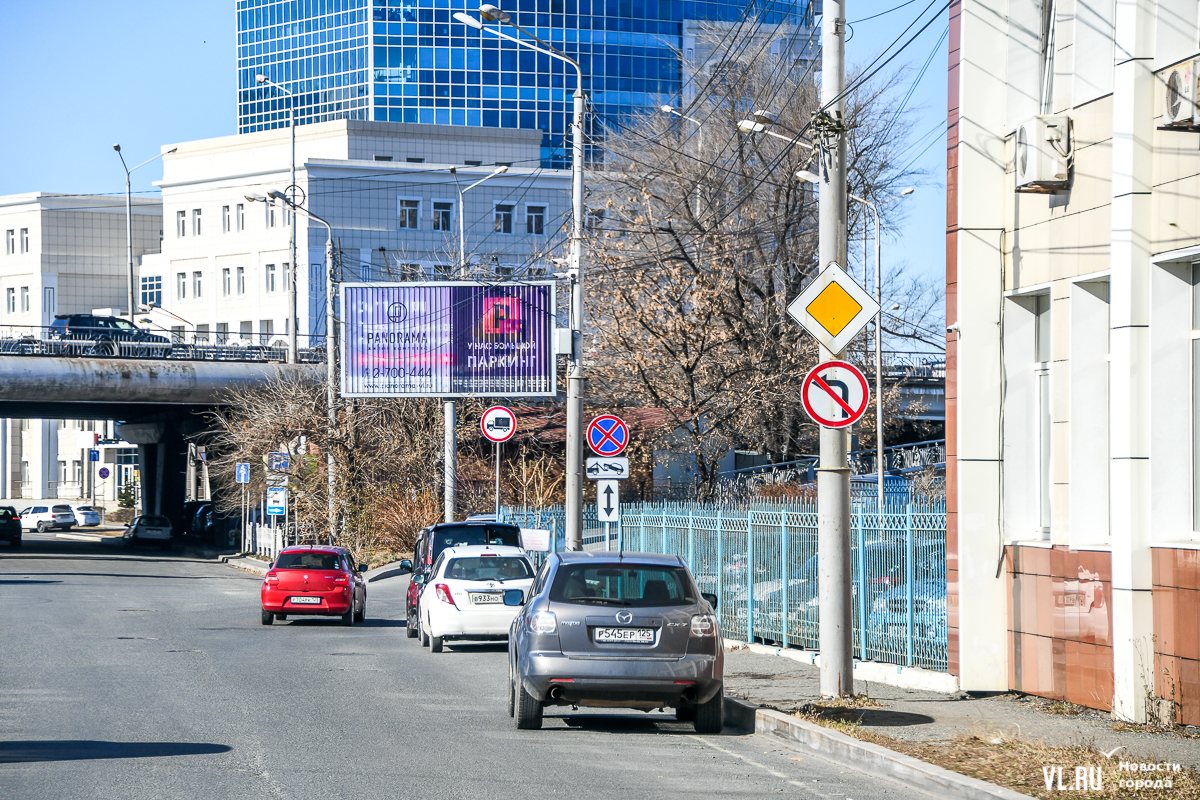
column 448, row 339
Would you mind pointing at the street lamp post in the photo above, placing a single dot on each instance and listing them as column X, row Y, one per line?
column 129, row 220
column 449, row 408
column 293, row 352
column 575, row 373
column 331, row 339
column 699, row 141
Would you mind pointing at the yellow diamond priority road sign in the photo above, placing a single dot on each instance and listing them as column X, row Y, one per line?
column 833, row 308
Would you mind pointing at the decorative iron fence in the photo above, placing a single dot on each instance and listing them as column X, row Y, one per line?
column 760, row 560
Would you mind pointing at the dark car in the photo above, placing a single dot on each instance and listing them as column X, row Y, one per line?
column 10, row 525
column 616, row 630
column 193, row 518
column 105, row 335
column 433, row 540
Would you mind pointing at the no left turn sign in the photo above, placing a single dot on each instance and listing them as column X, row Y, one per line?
column 835, row 394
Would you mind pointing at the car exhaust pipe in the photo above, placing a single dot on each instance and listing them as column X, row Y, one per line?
column 556, row 693
column 689, row 696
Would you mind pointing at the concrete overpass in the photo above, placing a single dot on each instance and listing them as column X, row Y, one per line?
column 157, row 404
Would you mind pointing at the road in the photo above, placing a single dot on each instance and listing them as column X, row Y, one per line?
column 136, row 675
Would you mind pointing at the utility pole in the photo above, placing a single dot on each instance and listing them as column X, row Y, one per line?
column 833, row 476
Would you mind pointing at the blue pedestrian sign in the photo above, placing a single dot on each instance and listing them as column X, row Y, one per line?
column 93, row 455
column 608, row 435
column 243, row 472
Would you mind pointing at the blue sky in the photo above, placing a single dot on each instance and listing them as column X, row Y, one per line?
column 83, row 75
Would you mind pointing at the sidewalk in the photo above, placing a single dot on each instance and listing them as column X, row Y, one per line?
column 931, row 726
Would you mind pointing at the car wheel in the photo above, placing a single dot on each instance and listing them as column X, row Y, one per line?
column 512, row 691
column 281, row 617
column 410, row 628
column 267, row 617
column 435, row 644
column 41, row 527
column 361, row 616
column 685, row 713
column 348, row 617
column 67, row 527
column 424, row 636
column 529, row 709
column 710, row 716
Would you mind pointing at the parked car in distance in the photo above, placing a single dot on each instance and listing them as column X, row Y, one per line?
column 104, row 335
column 463, row 596
column 10, row 526
column 617, row 630
column 86, row 516
column 433, row 540
column 47, row 518
column 314, row 580
column 889, row 612
column 148, row 529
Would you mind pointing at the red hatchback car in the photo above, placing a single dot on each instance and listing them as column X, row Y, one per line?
column 314, row 580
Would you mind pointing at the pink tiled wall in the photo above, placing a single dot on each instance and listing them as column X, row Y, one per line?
column 1176, row 597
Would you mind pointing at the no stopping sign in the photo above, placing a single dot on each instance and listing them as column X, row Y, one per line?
column 835, row 394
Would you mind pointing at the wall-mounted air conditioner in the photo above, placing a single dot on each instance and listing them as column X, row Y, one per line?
column 1180, row 106
column 1043, row 153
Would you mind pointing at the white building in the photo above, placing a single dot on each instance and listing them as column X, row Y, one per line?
column 64, row 254
column 389, row 193
column 1073, row 364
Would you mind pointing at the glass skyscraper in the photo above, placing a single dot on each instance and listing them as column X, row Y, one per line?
column 409, row 61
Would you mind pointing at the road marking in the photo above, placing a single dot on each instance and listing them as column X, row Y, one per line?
column 763, row 767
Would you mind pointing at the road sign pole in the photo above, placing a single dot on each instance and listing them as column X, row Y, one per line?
column 450, row 472
column 833, row 477
column 497, row 478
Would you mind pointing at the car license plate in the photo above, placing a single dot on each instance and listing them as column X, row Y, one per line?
column 315, row 601
column 624, row 635
column 483, row 599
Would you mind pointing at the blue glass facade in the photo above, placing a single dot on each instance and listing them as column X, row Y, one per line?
column 409, row 61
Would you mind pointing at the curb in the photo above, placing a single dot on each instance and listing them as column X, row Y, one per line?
column 863, row 756
column 245, row 564
column 86, row 537
column 924, row 680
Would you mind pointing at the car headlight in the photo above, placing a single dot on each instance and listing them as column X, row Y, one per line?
column 704, row 625
column 543, row 622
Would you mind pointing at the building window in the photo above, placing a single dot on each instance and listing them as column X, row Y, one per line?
column 152, row 290
column 1041, row 346
column 197, row 285
column 241, row 280
column 178, row 335
column 473, row 163
column 195, row 222
column 266, row 329
column 24, row 240
column 271, row 215
column 246, row 330
column 25, row 299
column 415, row 160
column 409, row 209
column 241, row 217
column 383, row 158
column 181, row 224
column 222, row 332
column 443, row 216
column 535, row 220
column 10, row 300
column 62, row 471
column 202, row 334
column 504, row 215
column 181, row 286
column 225, row 220
column 10, row 242
column 270, row 278
column 226, row 282
column 77, row 471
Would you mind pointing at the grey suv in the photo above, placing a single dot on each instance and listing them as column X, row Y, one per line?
column 616, row 630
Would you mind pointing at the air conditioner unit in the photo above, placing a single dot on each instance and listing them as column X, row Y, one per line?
column 1043, row 153
column 1180, row 106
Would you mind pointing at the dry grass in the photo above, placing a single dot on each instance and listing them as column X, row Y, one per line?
column 1000, row 758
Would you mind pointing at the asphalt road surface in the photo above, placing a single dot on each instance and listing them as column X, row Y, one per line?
column 137, row 675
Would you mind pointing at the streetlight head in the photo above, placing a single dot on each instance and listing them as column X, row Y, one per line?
column 500, row 170
column 256, row 198
column 277, row 195
column 750, row 126
column 172, row 150
column 117, row 147
column 493, row 14
column 906, row 192
column 666, row 109
column 260, row 78
column 804, row 176
column 468, row 20
column 764, row 118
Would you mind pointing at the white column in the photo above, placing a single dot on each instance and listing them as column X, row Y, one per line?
column 1134, row 88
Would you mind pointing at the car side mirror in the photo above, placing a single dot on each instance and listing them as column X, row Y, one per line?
column 405, row 566
column 711, row 599
column 418, row 579
column 514, row 597
column 362, row 567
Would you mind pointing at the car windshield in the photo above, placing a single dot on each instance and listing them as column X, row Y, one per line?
column 488, row 568
column 635, row 585
column 465, row 535
column 308, row 560
column 62, row 509
column 156, row 522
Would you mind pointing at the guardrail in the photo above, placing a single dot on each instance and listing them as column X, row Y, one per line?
column 180, row 345
column 761, row 562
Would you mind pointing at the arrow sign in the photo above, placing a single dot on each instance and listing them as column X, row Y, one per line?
column 835, row 394
column 242, row 472
column 608, row 501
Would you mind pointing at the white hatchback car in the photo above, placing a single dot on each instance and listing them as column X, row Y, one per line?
column 464, row 595
column 86, row 515
column 46, row 518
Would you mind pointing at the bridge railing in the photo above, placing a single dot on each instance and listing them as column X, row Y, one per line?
column 188, row 344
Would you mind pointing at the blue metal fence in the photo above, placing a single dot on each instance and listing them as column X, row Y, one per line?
column 761, row 562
